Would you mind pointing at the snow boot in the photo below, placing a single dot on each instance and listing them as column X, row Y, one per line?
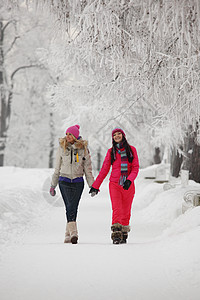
column 125, row 230
column 67, row 235
column 73, row 232
column 116, row 235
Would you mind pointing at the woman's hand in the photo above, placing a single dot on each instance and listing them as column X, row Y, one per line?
column 93, row 192
column 127, row 184
column 52, row 191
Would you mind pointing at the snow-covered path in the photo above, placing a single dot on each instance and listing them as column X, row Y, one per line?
column 152, row 265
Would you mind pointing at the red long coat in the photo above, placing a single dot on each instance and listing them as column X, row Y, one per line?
column 133, row 168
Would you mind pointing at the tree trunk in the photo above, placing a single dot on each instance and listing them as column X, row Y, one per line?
column 195, row 159
column 187, row 150
column 195, row 164
column 176, row 161
column 191, row 157
column 156, row 158
column 3, row 99
column 51, row 152
column 190, row 160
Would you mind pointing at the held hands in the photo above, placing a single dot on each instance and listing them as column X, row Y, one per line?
column 93, row 192
column 52, row 191
column 127, row 184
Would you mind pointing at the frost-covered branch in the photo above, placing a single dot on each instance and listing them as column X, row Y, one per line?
column 6, row 25
column 23, row 67
column 11, row 46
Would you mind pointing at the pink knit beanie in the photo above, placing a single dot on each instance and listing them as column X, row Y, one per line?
column 74, row 130
column 118, row 130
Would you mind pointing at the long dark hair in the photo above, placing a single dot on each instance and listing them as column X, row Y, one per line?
column 127, row 147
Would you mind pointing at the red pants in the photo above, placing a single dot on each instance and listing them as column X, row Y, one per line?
column 121, row 203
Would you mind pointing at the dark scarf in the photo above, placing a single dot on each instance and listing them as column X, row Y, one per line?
column 124, row 163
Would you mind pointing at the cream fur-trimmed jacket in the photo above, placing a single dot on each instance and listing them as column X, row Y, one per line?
column 73, row 162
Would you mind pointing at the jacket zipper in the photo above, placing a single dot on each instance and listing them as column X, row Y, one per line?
column 71, row 156
column 71, row 164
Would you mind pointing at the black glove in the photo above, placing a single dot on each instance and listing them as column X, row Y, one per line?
column 127, row 184
column 93, row 192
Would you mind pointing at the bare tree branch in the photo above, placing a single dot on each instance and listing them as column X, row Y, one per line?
column 23, row 67
column 11, row 46
column 6, row 25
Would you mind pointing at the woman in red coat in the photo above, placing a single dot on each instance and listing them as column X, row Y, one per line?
column 125, row 167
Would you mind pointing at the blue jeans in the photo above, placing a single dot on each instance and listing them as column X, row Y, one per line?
column 71, row 194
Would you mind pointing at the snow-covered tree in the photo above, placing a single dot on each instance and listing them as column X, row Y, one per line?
column 125, row 50
column 127, row 58
column 122, row 54
column 26, row 113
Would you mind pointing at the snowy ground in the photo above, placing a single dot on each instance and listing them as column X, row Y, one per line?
column 161, row 260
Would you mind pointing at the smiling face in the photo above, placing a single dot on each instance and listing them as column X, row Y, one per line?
column 69, row 138
column 117, row 136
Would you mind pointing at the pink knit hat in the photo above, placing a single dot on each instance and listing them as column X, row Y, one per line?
column 74, row 130
column 118, row 130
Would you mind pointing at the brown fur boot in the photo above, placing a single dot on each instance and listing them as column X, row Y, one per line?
column 67, row 235
column 73, row 232
column 116, row 235
column 125, row 230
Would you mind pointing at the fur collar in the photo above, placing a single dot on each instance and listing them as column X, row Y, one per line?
column 79, row 144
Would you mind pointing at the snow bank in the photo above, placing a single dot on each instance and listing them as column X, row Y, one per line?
column 21, row 200
column 163, row 208
column 186, row 222
column 17, row 209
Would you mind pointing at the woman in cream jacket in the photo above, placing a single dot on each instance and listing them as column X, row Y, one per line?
column 72, row 163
